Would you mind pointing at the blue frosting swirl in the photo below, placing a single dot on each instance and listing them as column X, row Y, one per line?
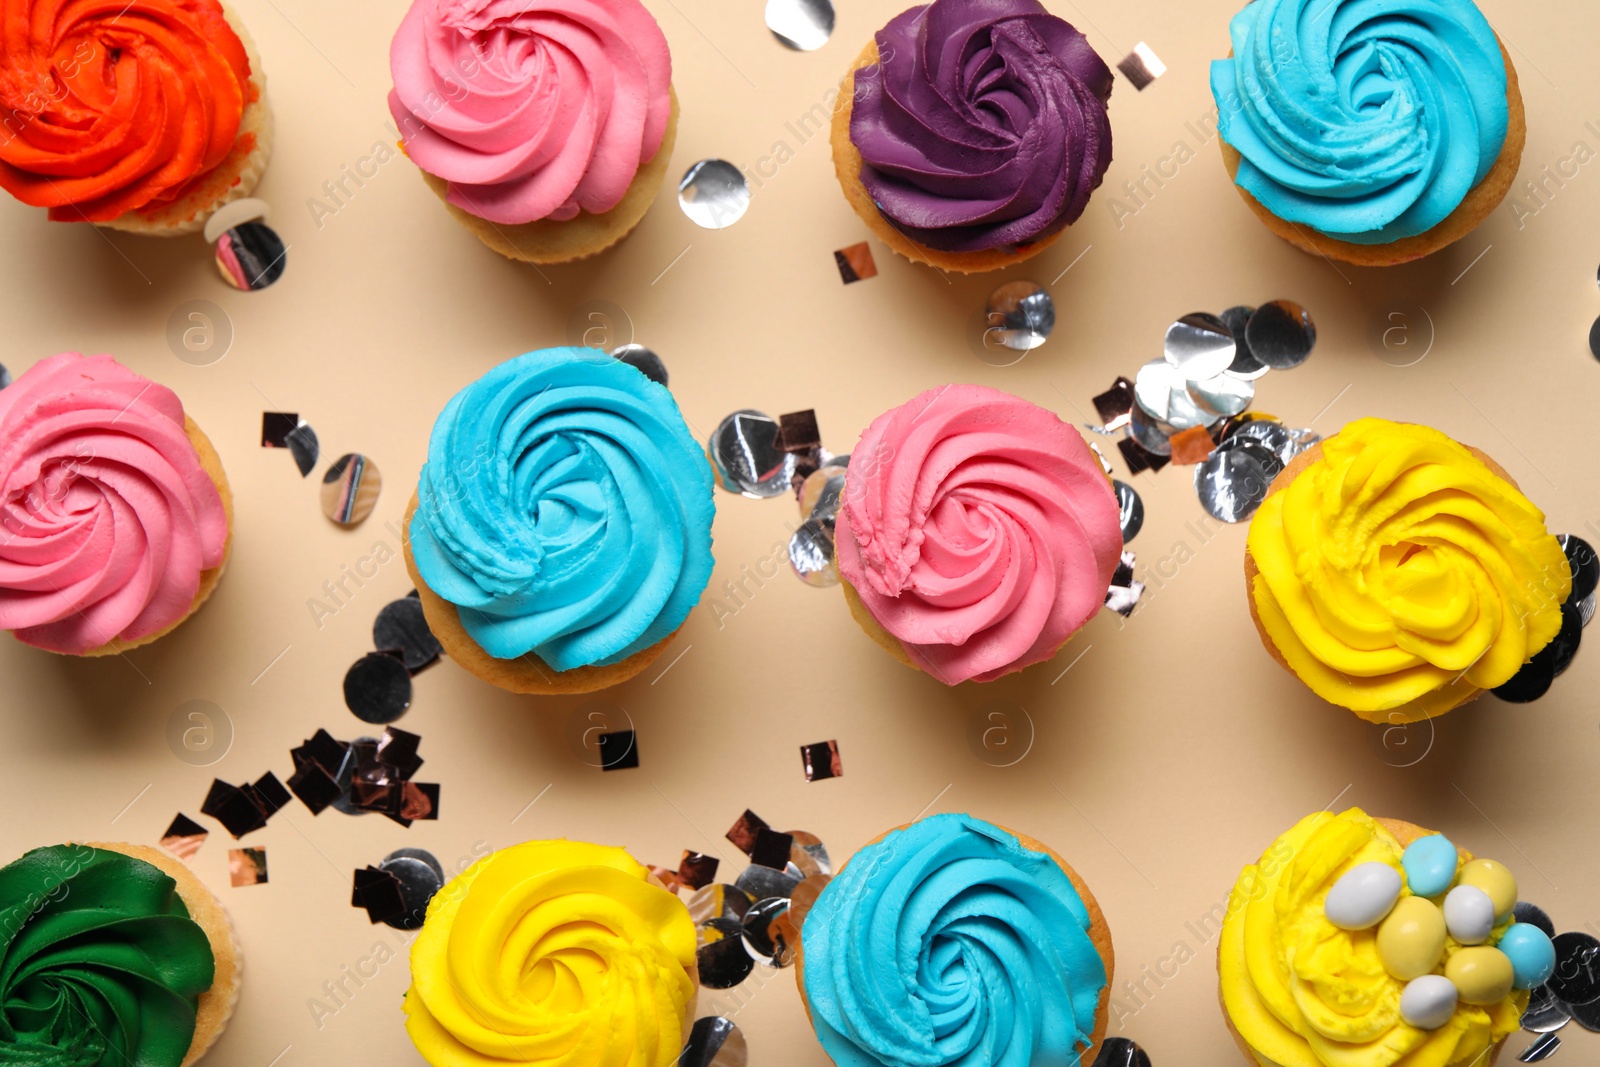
column 948, row 942
column 565, row 509
column 1367, row 120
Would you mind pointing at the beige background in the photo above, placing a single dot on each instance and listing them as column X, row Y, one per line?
column 1172, row 752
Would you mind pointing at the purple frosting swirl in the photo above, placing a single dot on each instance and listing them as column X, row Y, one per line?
column 983, row 124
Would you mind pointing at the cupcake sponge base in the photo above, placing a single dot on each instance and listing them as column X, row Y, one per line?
column 1099, row 934
column 528, row 673
column 549, row 241
column 1462, row 691
column 847, row 165
column 1480, row 202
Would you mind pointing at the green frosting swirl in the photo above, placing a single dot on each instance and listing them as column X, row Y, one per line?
column 100, row 963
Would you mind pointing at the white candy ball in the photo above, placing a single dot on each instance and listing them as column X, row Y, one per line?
column 1365, row 894
column 1428, row 1002
column 1468, row 914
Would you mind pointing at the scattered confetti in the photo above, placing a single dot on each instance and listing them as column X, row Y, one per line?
column 350, row 489
column 696, row 870
column 184, row 837
column 619, row 750
column 1141, row 66
column 242, row 809
column 855, row 263
column 247, row 866
column 821, row 760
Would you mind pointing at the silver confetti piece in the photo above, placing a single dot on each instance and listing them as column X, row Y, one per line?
column 1020, row 315
column 1545, row 1013
column 1245, row 364
column 748, row 457
column 642, row 360
column 1542, row 1049
column 811, row 554
column 1223, row 394
column 714, row 194
column 1281, row 334
column 1232, row 482
column 1199, row 346
column 350, row 489
column 1130, row 510
column 1148, row 433
column 714, row 1042
column 804, row 25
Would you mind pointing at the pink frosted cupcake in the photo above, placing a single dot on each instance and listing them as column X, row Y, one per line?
column 978, row 533
column 546, row 126
column 117, row 515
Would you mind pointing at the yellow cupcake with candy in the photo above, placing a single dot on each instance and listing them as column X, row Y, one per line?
column 1366, row 942
column 553, row 952
column 1399, row 574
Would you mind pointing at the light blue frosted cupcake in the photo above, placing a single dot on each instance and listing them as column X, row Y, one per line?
column 1371, row 131
column 954, row 941
column 561, row 530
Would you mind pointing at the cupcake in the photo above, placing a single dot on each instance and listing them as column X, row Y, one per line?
column 117, row 516
column 1399, row 574
column 553, row 952
column 112, row 955
column 1373, row 133
column 977, row 533
column 545, row 126
column 970, row 135
column 144, row 116
column 561, row 529
column 1362, row 942
column 954, row 941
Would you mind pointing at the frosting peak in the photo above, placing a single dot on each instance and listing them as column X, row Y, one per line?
column 110, row 108
column 100, row 963
column 531, row 109
column 1399, row 571
column 982, row 124
column 950, row 942
column 108, row 514
column 978, row 530
column 552, row 952
column 565, row 510
column 1367, row 120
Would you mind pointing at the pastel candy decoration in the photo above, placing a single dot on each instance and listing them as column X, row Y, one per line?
column 1496, row 880
column 1411, row 940
column 1428, row 1002
column 1481, row 975
column 1363, row 896
column 1430, row 864
column 1469, row 914
column 1532, row 956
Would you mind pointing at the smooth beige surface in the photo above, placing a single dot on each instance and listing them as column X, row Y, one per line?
column 1166, row 758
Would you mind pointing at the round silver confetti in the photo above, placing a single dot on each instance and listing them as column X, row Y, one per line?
column 5, row 377
column 721, row 956
column 714, row 194
column 811, row 554
column 763, row 936
column 1232, row 483
column 1020, row 315
column 1105, row 464
column 804, row 25
column 419, row 854
column 1577, row 976
column 1148, row 433
column 718, row 901
column 642, row 360
column 1162, row 391
column 821, row 493
column 1121, row 1052
column 762, row 882
column 402, row 627
column 804, row 896
column 1245, row 364
column 350, row 489
column 1130, row 510
column 1199, row 345
column 714, row 1042
column 748, row 457
column 1533, row 915
column 1281, row 334
column 1586, row 1015
column 1594, row 339
column 808, row 854
column 1223, row 394
column 1543, row 1047
column 419, row 881
column 1545, row 1013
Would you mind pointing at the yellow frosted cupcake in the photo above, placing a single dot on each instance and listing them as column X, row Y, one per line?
column 1363, row 942
column 1399, row 574
column 553, row 952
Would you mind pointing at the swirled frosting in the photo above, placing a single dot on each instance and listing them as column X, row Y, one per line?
column 552, row 952
column 108, row 515
column 949, row 943
column 110, row 108
column 100, row 963
column 565, row 510
column 1399, row 568
column 531, row 109
column 1367, row 120
column 978, row 530
column 1304, row 993
column 983, row 123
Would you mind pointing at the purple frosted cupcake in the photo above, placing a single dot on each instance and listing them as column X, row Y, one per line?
column 972, row 132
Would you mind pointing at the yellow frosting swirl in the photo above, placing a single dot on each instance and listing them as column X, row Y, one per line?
column 1304, row 993
column 1399, row 574
column 552, row 952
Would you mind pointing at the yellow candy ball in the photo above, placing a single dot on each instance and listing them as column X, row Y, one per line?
column 1411, row 939
column 1496, row 880
column 1482, row 975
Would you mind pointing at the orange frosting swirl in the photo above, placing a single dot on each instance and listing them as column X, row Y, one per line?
column 111, row 106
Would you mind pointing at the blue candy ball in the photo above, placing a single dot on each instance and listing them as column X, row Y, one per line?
column 1430, row 865
column 1533, row 957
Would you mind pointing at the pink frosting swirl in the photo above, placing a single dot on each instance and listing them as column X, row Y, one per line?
column 107, row 517
column 531, row 109
column 978, row 529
